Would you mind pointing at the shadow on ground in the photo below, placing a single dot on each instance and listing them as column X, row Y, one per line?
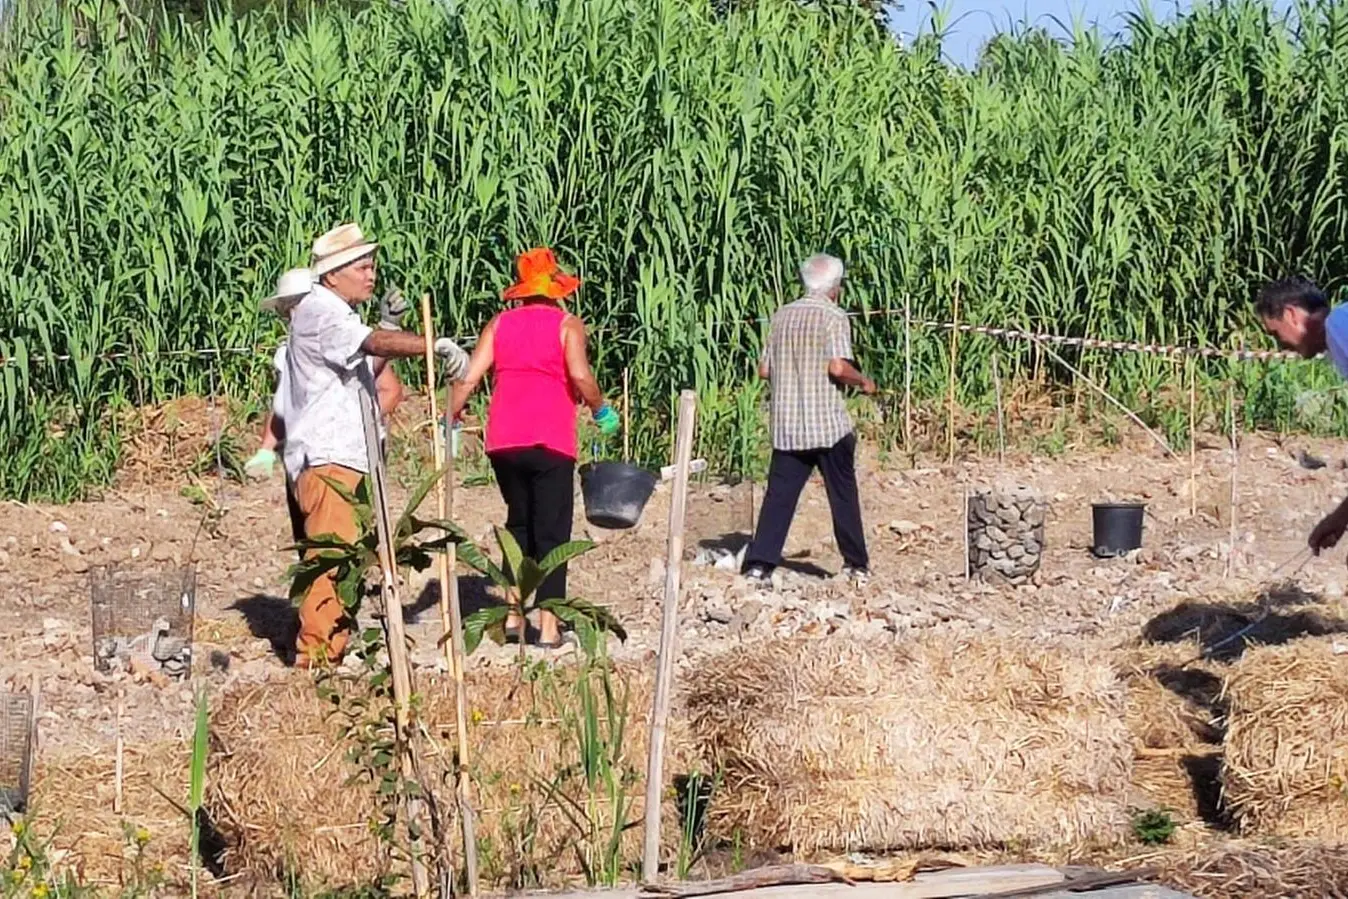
column 735, row 541
column 271, row 618
column 1224, row 629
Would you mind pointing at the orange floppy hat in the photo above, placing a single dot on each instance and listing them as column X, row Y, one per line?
column 539, row 275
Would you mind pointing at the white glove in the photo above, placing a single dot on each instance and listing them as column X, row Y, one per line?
column 456, row 360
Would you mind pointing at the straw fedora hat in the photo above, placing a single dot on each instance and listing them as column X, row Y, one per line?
column 292, row 287
column 341, row 246
column 539, row 275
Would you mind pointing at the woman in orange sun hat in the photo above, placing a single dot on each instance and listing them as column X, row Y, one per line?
column 540, row 369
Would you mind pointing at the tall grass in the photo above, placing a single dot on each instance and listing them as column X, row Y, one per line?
column 156, row 175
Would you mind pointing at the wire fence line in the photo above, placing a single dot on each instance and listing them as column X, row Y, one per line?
column 999, row 333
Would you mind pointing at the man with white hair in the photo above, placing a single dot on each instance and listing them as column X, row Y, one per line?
column 807, row 361
column 327, row 377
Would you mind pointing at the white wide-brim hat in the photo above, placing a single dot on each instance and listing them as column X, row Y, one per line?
column 341, row 246
column 292, row 287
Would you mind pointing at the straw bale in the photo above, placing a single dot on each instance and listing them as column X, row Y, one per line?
column 1175, row 717
column 838, row 745
column 278, row 784
column 1286, row 771
column 72, row 803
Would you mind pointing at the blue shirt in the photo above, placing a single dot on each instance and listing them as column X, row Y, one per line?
column 1336, row 338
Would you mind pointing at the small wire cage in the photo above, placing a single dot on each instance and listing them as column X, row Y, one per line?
column 141, row 612
column 17, row 724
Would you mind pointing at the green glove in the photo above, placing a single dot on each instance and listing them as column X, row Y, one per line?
column 260, row 466
column 608, row 420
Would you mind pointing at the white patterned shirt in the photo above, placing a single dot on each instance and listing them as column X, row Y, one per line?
column 325, row 368
column 808, row 411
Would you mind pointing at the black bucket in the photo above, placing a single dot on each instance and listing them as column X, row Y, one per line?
column 615, row 493
column 1118, row 528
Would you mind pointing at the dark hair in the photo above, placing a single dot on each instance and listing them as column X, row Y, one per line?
column 1277, row 296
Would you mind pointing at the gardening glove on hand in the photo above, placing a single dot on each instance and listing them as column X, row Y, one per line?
column 391, row 310
column 456, row 360
column 607, row 419
column 260, row 466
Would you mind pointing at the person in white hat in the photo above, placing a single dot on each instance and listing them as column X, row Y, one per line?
column 326, row 371
column 292, row 287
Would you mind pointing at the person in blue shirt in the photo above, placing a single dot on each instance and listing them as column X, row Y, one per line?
column 1297, row 313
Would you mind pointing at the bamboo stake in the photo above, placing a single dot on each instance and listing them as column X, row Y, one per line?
column 399, row 662
column 627, row 418
column 1235, row 464
column 1193, row 440
column 451, row 616
column 1001, row 427
column 1082, row 378
column 117, row 763
column 683, row 451
column 950, row 411
column 908, row 374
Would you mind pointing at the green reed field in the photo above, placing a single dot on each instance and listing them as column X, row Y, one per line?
column 156, row 175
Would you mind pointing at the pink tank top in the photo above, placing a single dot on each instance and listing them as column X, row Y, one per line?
column 532, row 403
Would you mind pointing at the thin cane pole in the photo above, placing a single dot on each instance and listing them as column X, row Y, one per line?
column 1193, row 439
column 950, row 411
column 1235, row 465
column 908, row 374
column 450, row 615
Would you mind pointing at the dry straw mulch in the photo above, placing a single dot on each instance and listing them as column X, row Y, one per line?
column 279, row 784
column 73, row 805
column 831, row 745
column 1293, row 871
column 1286, row 771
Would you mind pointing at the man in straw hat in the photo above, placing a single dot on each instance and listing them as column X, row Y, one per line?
column 328, row 347
column 292, row 287
column 1297, row 313
column 806, row 361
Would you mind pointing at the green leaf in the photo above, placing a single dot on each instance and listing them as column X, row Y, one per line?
column 404, row 527
column 476, row 624
column 563, row 554
column 476, row 559
column 511, row 554
column 528, row 578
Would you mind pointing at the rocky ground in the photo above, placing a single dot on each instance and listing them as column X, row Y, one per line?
column 915, row 517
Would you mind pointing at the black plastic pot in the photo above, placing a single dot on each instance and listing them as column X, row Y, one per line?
column 615, row 494
column 1118, row 528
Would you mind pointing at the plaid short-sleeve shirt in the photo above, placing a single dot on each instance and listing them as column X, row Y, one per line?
column 808, row 411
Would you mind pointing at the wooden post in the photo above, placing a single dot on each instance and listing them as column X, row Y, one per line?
column 1001, row 427
column 954, row 346
column 678, row 507
column 1235, row 465
column 399, row 663
column 1193, row 439
column 908, row 374
column 627, row 418
column 451, row 616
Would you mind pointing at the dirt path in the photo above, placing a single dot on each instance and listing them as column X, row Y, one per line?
column 913, row 515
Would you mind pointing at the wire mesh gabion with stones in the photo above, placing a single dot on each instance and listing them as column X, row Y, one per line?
column 1006, row 533
column 16, row 749
column 143, row 619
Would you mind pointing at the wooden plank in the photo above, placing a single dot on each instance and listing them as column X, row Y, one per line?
column 1131, row 891
column 948, row 884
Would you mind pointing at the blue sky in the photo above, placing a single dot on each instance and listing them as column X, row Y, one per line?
column 971, row 22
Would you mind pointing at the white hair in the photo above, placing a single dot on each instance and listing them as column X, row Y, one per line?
column 821, row 274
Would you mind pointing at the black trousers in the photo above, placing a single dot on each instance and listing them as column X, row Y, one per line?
column 786, row 478
column 538, row 486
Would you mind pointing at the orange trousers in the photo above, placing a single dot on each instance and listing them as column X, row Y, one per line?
column 323, row 621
